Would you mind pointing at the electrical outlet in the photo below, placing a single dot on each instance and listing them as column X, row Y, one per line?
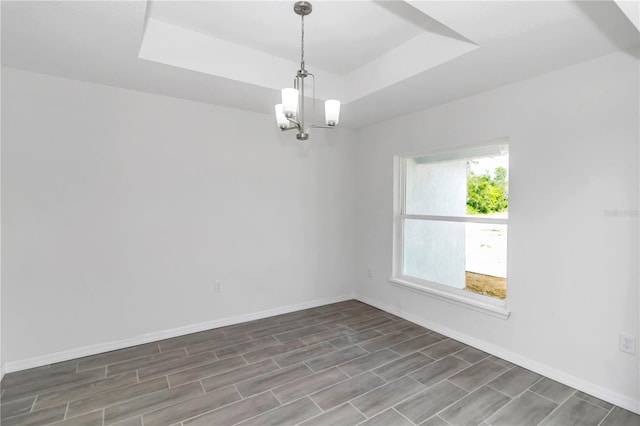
column 369, row 274
column 627, row 343
column 217, row 286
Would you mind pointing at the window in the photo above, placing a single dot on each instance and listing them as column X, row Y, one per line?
column 450, row 225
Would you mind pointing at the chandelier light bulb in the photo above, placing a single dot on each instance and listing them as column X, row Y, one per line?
column 332, row 112
column 281, row 119
column 289, row 102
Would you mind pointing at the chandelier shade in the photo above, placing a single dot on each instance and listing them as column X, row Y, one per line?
column 281, row 119
column 290, row 113
column 290, row 102
column 332, row 112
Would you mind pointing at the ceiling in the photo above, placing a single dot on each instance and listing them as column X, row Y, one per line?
column 381, row 58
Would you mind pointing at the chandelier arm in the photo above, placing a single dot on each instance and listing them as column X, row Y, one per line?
column 294, row 122
column 318, row 126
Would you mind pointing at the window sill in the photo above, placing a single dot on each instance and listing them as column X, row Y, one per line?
column 496, row 308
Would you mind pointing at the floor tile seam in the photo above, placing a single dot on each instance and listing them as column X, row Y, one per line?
column 356, row 408
column 259, row 414
column 407, row 374
column 335, row 384
column 403, row 416
column 557, row 407
column 241, row 354
column 426, row 347
column 397, row 353
column 413, row 353
column 445, row 422
column 606, row 415
column 437, row 359
column 134, row 358
column 397, row 403
column 319, row 341
column 334, row 344
column 280, row 384
column 548, row 399
column 589, row 402
column 163, row 405
column 33, row 404
column 509, row 368
column 28, row 412
column 313, row 402
column 504, row 406
column 93, row 393
column 55, row 388
column 318, row 390
column 361, row 372
column 241, row 381
column 36, row 379
column 383, row 347
column 550, row 414
column 212, row 350
column 184, row 346
column 194, row 367
column 475, row 388
column 186, row 355
column 535, row 383
column 362, row 394
column 422, row 333
column 513, row 398
column 113, row 404
column 393, row 381
column 378, row 375
column 570, row 395
column 469, row 362
column 446, row 379
column 450, row 405
column 353, row 359
column 328, row 353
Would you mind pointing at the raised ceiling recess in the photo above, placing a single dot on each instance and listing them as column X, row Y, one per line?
column 356, row 48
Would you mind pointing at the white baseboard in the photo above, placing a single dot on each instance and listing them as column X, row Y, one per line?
column 39, row 361
column 559, row 376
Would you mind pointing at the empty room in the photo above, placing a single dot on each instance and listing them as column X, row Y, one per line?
column 392, row 213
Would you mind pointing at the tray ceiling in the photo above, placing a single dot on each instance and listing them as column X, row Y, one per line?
column 381, row 58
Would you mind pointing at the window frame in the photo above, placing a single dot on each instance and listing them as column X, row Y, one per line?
column 485, row 304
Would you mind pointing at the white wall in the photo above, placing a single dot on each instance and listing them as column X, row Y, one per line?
column 573, row 271
column 1, row 362
column 121, row 210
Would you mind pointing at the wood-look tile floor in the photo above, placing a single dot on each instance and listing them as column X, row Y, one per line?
column 341, row 364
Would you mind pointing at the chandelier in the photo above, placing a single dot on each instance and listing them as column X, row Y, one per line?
column 290, row 113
